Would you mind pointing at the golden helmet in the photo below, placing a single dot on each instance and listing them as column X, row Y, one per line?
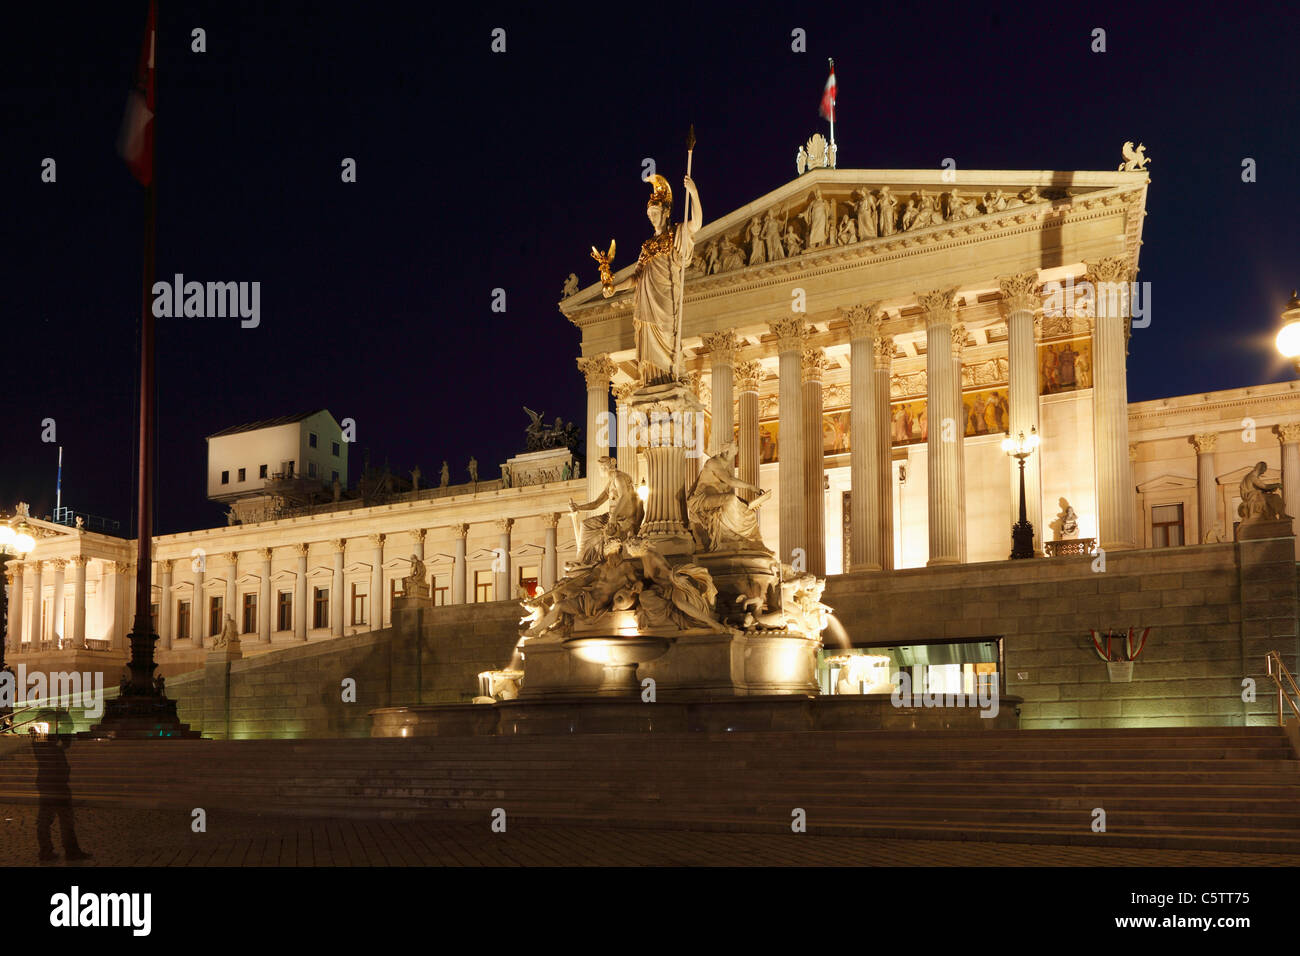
column 660, row 192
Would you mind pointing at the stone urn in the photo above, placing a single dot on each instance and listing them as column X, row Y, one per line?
column 619, row 655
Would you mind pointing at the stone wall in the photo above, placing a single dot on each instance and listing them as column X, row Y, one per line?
column 298, row 691
column 1214, row 610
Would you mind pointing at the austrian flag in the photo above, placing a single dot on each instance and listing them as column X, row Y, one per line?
column 135, row 142
column 827, row 110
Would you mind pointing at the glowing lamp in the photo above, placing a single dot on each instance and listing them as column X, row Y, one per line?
column 1288, row 337
column 643, row 491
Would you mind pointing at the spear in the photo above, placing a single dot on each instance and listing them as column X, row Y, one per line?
column 681, row 281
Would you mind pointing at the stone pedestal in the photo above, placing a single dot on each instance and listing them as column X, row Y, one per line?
column 1267, row 568
column 669, row 425
column 216, row 690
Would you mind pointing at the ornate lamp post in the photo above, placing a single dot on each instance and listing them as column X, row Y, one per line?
column 1288, row 337
column 1022, row 535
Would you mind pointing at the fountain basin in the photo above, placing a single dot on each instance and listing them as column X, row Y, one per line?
column 619, row 655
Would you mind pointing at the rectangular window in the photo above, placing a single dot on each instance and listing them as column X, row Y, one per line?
column 334, row 448
column 182, row 620
column 241, row 474
column 321, row 608
column 225, row 477
column 284, row 611
column 528, row 581
column 215, row 616
column 1167, row 526
column 261, row 471
column 358, row 606
column 334, row 476
column 250, row 613
column 311, row 440
column 483, row 586
column 311, row 469
column 439, row 589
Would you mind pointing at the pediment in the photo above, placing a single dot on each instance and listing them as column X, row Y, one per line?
column 1167, row 483
column 977, row 203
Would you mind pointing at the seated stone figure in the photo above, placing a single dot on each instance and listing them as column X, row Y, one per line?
column 683, row 595
column 720, row 521
column 585, row 596
column 1260, row 500
column 618, row 524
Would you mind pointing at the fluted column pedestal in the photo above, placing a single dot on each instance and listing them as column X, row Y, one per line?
column 550, row 559
column 626, row 445
column 747, row 377
column 814, row 461
column 1115, row 492
column 864, row 448
column 597, row 370
column 883, row 351
column 722, row 361
column 1207, row 512
column 791, row 334
column 1020, row 302
column 458, row 566
column 943, row 408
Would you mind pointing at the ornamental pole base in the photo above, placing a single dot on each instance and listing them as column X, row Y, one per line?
column 1022, row 540
column 140, row 717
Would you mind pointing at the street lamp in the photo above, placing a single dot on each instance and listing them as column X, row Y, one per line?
column 1288, row 337
column 1022, row 535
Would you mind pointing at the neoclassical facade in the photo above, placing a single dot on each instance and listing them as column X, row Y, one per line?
column 868, row 369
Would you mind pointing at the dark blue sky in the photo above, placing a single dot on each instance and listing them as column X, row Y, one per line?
column 479, row 170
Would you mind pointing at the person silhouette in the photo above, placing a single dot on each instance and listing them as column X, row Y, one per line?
column 55, row 797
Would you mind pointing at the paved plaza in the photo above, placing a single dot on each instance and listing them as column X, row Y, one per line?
column 125, row 837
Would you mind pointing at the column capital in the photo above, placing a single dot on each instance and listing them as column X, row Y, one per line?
column 121, row 567
column 958, row 340
column 419, row 534
column 598, row 370
column 1019, row 293
column 1289, row 433
column 1107, row 269
column 264, row 553
column 623, row 392
column 505, row 524
column 939, row 305
column 748, row 375
column 812, row 364
column 551, row 520
column 722, row 346
column 460, row 530
column 79, row 560
column 1205, row 443
column 11, row 575
column 58, row 564
column 339, row 544
column 233, row 558
column 377, row 540
column 300, row 549
column 864, row 320
column 165, row 566
column 790, row 333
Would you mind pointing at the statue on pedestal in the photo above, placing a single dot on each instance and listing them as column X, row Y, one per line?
column 622, row 520
column 414, row 584
column 720, row 520
column 657, row 283
column 1260, row 500
column 229, row 636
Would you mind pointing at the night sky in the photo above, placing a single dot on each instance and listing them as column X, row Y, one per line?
column 479, row 170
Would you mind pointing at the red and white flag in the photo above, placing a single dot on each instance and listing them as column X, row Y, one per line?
column 135, row 141
column 827, row 110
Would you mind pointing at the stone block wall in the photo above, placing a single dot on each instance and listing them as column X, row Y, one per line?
column 298, row 691
column 1214, row 611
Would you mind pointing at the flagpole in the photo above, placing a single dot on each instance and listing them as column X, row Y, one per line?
column 832, row 117
column 681, row 282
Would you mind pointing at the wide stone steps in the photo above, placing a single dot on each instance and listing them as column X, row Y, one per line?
column 1220, row 788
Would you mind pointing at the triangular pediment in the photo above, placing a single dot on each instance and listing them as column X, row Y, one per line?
column 1167, row 482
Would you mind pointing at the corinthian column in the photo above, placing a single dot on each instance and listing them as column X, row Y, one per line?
column 56, row 609
column 550, row 560
column 300, row 598
column 165, row 602
column 1020, row 301
column 597, row 370
column 1115, row 494
column 1206, row 512
column 790, row 335
column 458, row 566
column 748, row 375
column 722, row 361
column 502, row 563
column 814, row 458
column 37, row 618
column 232, row 593
column 14, row 636
column 864, row 449
column 943, row 409
column 198, row 610
column 338, row 599
column 1289, row 435
column 79, row 601
column 377, row 582
column 264, row 601
column 883, row 350
column 626, row 448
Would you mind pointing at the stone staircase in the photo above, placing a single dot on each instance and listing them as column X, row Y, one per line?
column 1191, row 788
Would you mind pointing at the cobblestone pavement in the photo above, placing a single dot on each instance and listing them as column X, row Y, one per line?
column 124, row 837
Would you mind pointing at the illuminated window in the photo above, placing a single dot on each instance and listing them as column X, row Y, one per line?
column 483, row 586
column 182, row 619
column 284, row 611
column 250, row 613
column 215, row 616
column 528, row 581
column 1166, row 526
column 358, row 607
column 321, row 608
